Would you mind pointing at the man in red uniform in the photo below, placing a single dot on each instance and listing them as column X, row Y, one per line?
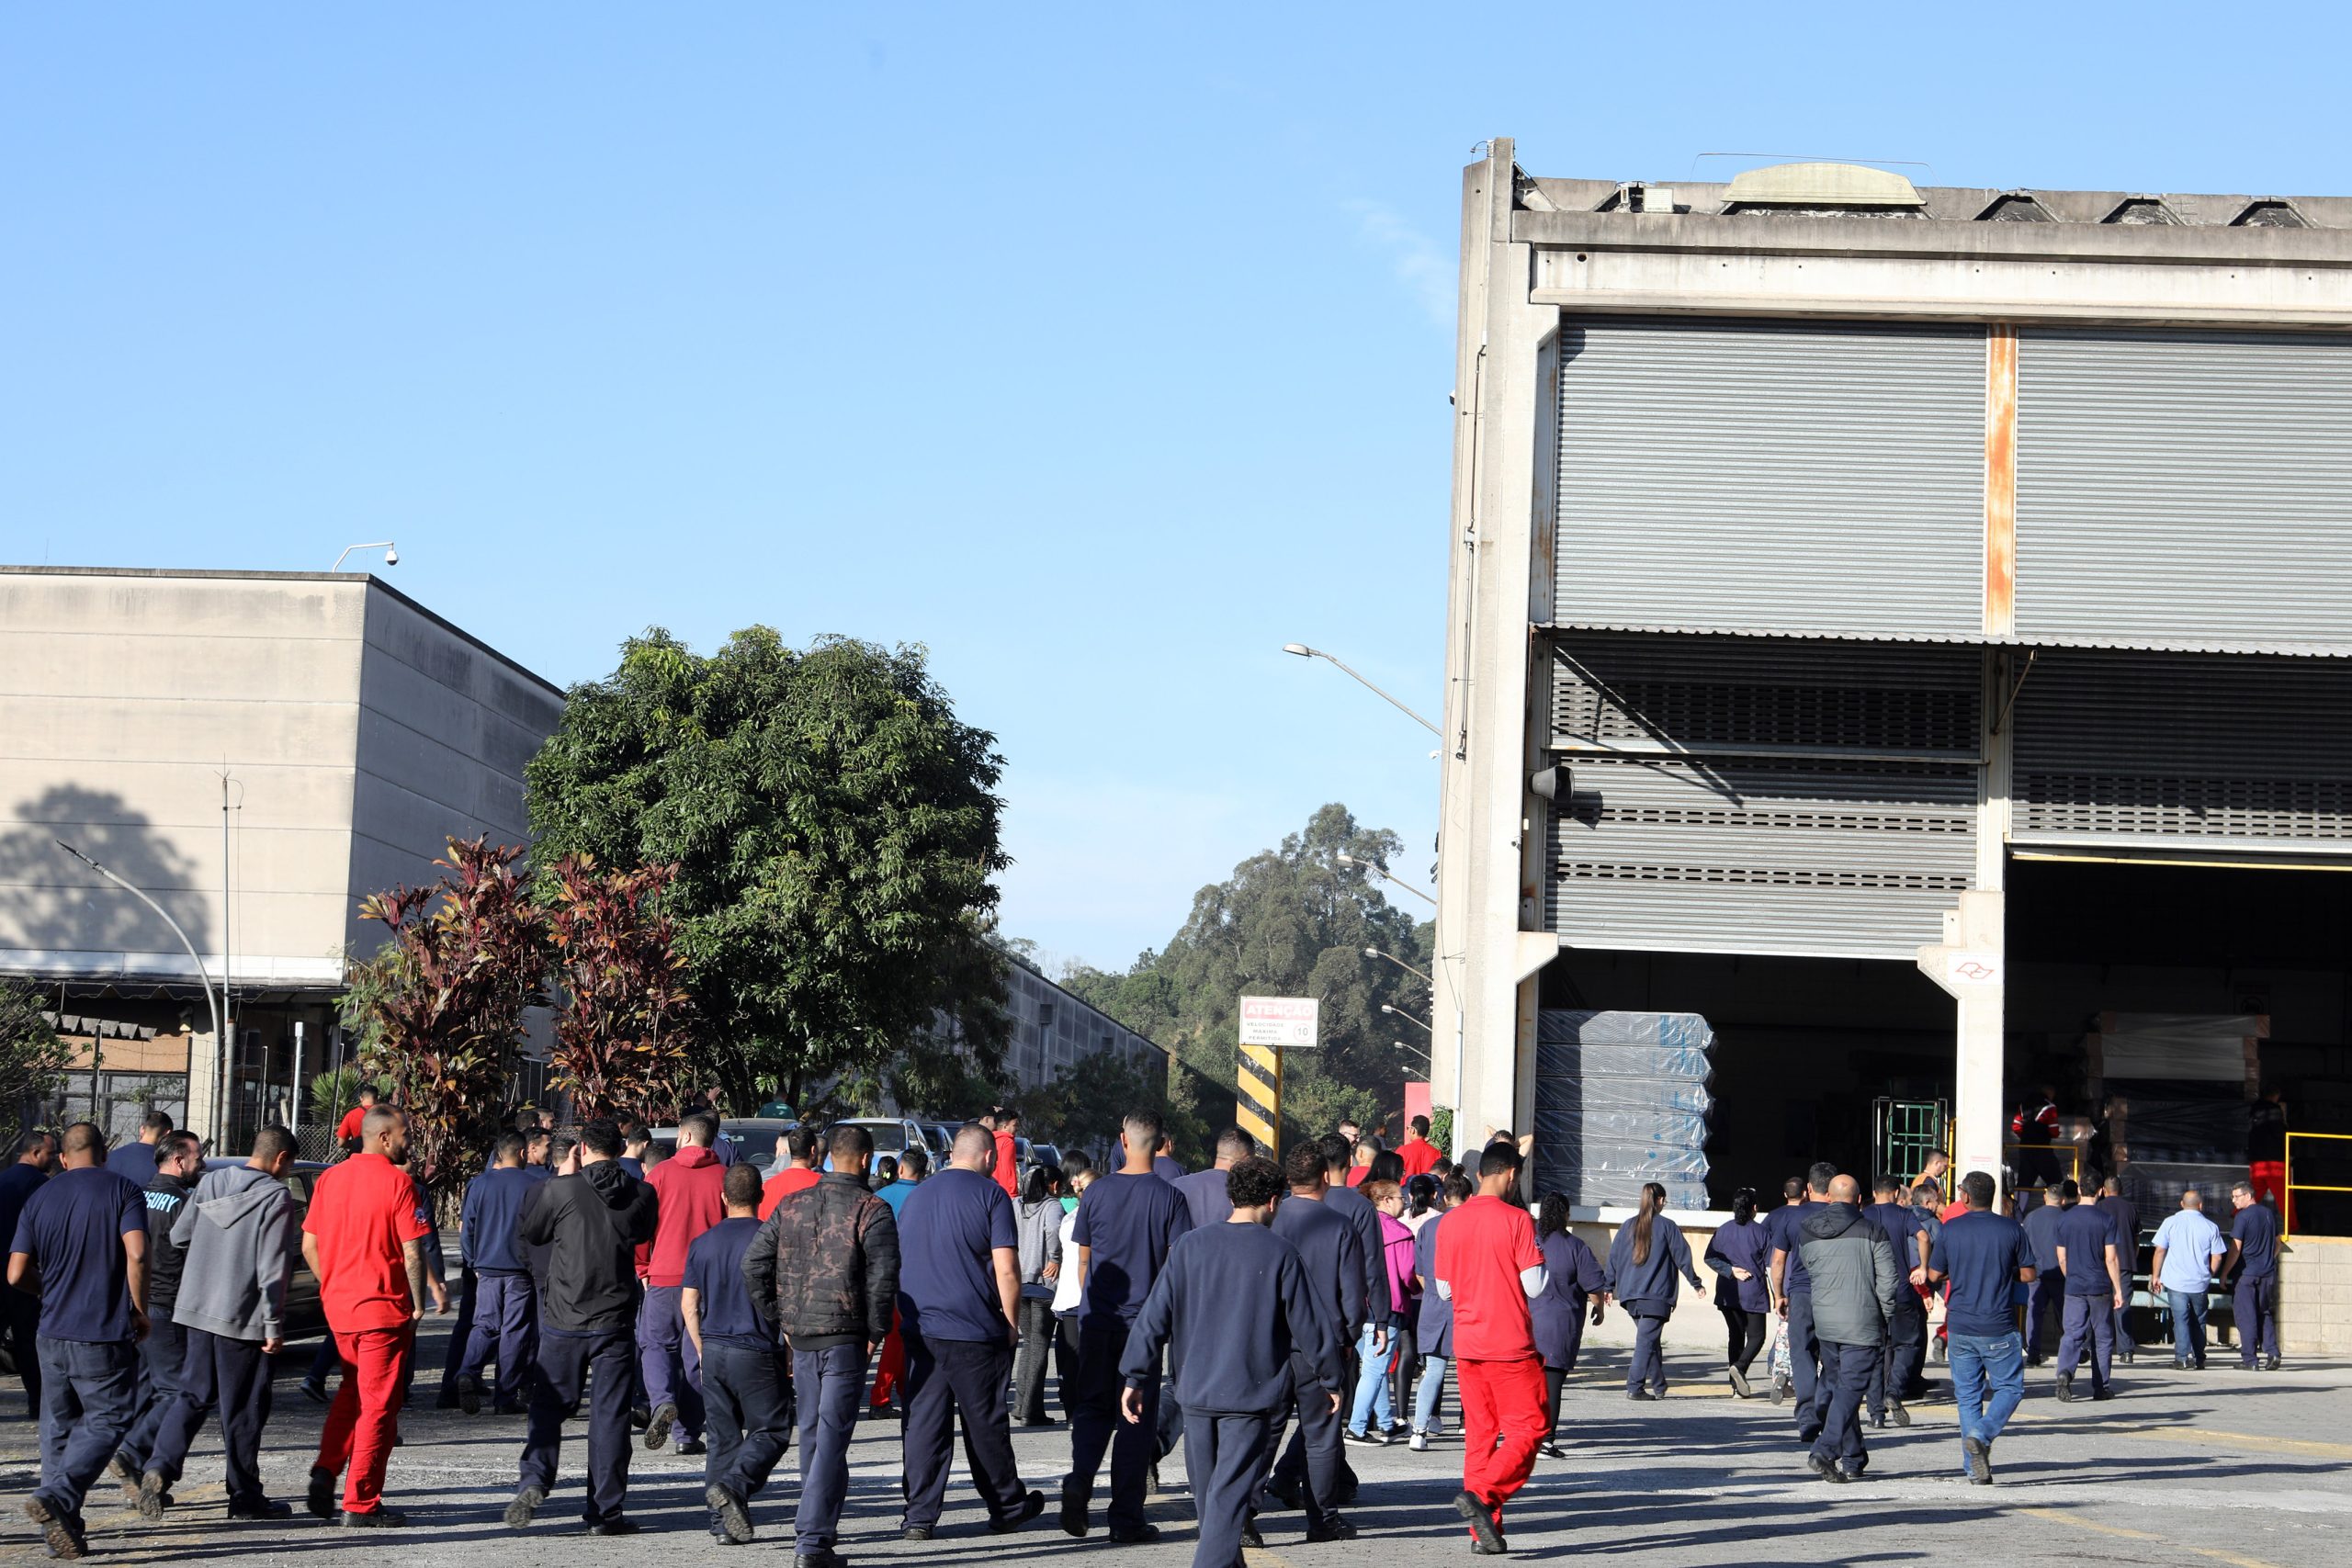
column 1008, row 1160
column 1489, row 1266
column 1417, row 1153
column 799, row 1153
column 690, row 1187
column 365, row 1239
column 355, row 1118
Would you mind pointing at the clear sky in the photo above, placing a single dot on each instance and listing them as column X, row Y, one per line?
column 1100, row 348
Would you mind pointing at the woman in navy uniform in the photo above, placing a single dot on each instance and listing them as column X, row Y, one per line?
column 1648, row 1253
column 1741, row 1254
column 1574, row 1279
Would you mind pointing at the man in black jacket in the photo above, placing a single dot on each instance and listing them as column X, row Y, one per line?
column 179, row 1160
column 592, row 1225
column 824, row 1270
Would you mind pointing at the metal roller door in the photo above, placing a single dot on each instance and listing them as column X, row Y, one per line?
column 1758, row 477
column 2170, row 750
column 2185, row 488
column 1742, row 794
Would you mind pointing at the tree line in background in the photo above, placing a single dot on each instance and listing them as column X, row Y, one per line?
column 1291, row 922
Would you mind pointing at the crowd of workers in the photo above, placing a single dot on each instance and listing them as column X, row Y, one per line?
column 1323, row 1300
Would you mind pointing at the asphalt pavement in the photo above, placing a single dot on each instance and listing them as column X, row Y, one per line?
column 2220, row 1466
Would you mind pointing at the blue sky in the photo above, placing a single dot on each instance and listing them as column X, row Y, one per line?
column 1102, row 349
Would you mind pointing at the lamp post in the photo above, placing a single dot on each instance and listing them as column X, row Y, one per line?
column 203, row 979
column 1381, row 871
column 1377, row 953
column 391, row 553
column 1303, row 651
column 1396, row 1012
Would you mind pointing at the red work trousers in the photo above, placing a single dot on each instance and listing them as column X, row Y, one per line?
column 889, row 1367
column 1502, row 1421
column 365, row 1410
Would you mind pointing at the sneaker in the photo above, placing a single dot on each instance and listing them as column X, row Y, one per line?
column 1844, row 1472
column 1332, row 1528
column 2270, row 1364
column 914, row 1533
column 376, row 1519
column 63, row 1535
column 1031, row 1507
column 2066, row 1390
column 527, row 1503
column 1819, row 1466
column 262, row 1508
column 1552, row 1450
column 1979, row 1455
column 1418, row 1442
column 1780, row 1390
column 153, row 1491
column 120, row 1468
column 1363, row 1439
column 1074, row 1521
column 469, row 1394
column 321, row 1500
column 1897, row 1414
column 657, row 1428
column 728, row 1513
column 1739, row 1385
column 1640, row 1396
column 1482, row 1523
column 1251, row 1539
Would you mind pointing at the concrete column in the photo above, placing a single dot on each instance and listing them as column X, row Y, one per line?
column 1971, row 964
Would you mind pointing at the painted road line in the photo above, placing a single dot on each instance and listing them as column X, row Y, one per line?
column 2237, row 1440
column 2058, row 1517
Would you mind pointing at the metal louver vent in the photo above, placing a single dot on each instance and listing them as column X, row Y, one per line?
column 1751, row 794
column 2142, row 748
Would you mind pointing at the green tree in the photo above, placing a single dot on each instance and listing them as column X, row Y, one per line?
column 32, row 1058
column 624, row 1023
column 1290, row 921
column 835, row 833
column 1083, row 1106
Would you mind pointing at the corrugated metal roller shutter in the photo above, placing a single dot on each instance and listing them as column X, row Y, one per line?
column 1823, row 478
column 2184, row 487
column 2151, row 749
column 1741, row 794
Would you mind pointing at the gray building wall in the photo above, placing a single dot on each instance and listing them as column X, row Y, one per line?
column 359, row 730
column 1052, row 1030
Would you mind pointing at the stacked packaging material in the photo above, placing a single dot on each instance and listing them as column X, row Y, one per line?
column 1621, row 1099
column 2175, row 1088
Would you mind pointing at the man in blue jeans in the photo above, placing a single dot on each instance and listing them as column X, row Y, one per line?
column 1985, row 1256
column 85, row 1235
column 2188, row 1252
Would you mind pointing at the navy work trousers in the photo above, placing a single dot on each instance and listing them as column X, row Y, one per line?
column 828, row 1385
column 947, row 1378
column 747, row 1400
column 1906, row 1347
column 88, row 1395
column 1647, row 1368
column 1225, row 1455
column 505, row 1325
column 673, row 1367
column 1846, row 1373
column 2044, row 1303
column 2254, row 1303
column 1805, row 1383
column 231, row 1376
column 2089, row 1324
column 1096, row 1426
column 1320, row 1457
column 565, row 1361
column 159, row 1354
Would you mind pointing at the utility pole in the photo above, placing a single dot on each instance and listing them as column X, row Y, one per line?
column 204, row 981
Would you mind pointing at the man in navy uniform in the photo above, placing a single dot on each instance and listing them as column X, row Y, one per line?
column 1907, row 1331
column 2254, row 1296
column 1333, row 1259
column 1793, row 1299
column 1235, row 1309
column 746, row 1396
column 2087, row 1258
column 506, row 1305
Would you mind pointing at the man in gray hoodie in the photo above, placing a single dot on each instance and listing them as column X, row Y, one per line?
column 241, row 1232
column 1854, row 1277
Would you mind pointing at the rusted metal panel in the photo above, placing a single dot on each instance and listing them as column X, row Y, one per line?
column 2000, row 479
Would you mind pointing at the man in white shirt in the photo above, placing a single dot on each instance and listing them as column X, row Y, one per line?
column 2189, row 1249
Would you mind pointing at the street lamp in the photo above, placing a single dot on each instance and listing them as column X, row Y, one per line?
column 1382, row 871
column 1394, row 1012
column 1377, row 953
column 1303, row 651
column 1417, row 1050
column 203, row 979
column 391, row 553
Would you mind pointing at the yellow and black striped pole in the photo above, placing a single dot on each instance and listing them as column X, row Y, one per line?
column 1258, row 1107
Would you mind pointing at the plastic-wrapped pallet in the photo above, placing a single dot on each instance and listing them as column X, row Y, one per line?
column 1621, row 1099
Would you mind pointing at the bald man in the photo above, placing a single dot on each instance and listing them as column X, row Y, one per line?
column 1854, row 1276
column 2189, row 1251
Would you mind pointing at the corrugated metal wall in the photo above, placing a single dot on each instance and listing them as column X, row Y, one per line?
column 2121, row 747
column 2180, row 486
column 1744, row 795
column 1822, row 478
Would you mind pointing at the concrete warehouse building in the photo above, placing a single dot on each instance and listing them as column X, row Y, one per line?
column 360, row 732
column 1910, row 628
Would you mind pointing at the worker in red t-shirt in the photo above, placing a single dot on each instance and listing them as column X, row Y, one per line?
column 1489, row 1267
column 689, row 1187
column 353, row 1119
column 1008, row 1160
column 1417, row 1153
column 366, row 1237
column 798, row 1154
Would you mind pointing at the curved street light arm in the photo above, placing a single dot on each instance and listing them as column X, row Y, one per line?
column 203, row 978
column 1305, row 651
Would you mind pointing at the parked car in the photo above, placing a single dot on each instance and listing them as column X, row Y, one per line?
column 892, row 1134
column 754, row 1137
column 1046, row 1154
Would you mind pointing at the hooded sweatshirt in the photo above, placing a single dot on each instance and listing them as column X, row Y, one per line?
column 1854, row 1275
column 241, row 1232
column 691, row 1184
column 592, row 1225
